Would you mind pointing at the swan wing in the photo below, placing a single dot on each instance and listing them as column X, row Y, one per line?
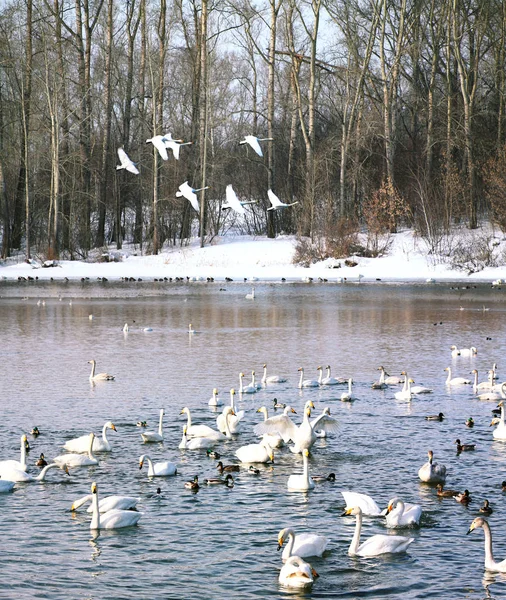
column 233, row 200
column 365, row 502
column 326, row 423
column 309, row 544
column 281, row 424
column 274, row 200
column 384, row 544
column 115, row 519
column 254, row 143
column 159, row 144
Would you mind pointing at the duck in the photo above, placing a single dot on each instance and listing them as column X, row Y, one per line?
column 470, row 422
column 248, row 389
column 196, row 443
column 271, row 378
column 277, row 404
column 142, row 423
column 107, row 503
column 41, row 461
column 253, row 470
column 366, row 504
column 503, row 486
column 233, row 417
column 307, row 383
column 112, row 519
column 499, row 432
column 464, row 447
column 214, row 400
column 320, row 478
column 154, row 436
column 304, row 482
column 486, row 509
column 399, row 515
column 213, row 454
column 297, row 573
column 80, row 444
column 193, row 484
column 438, row 417
column 455, row 380
column 35, row 431
column 463, row 497
column 442, row 493
column 348, row 396
column 431, row 472
column 255, row 453
column 221, row 467
column 281, row 425
column 13, row 475
column 377, row 544
column 161, row 469
column 98, row 376
column 200, row 430
column 79, row 460
column 490, row 563
column 17, row 464
column 380, row 384
column 301, row 544
column 228, row 481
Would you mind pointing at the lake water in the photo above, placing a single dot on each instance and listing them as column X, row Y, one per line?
column 221, row 543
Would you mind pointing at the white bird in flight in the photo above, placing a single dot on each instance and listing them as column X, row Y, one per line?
column 162, row 142
column 126, row 163
column 276, row 202
column 254, row 142
column 233, row 201
column 190, row 194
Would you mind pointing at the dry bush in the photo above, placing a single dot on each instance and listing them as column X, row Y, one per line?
column 308, row 252
column 474, row 254
column 342, row 238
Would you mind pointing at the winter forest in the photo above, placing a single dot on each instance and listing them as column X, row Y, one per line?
column 382, row 114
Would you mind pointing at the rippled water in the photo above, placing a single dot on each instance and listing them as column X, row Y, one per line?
column 222, row 542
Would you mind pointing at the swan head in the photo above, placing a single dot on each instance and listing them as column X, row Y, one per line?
column 430, row 454
column 495, row 421
column 110, row 425
column 262, row 409
column 232, row 392
column 319, row 368
column 264, row 366
column 501, row 403
column 94, row 487
column 309, row 404
column 228, row 410
column 352, row 510
column 282, row 535
column 184, row 411
column 141, row 460
column 289, row 409
column 391, row 504
column 215, row 391
column 241, row 374
column 301, row 369
column 305, row 453
column 92, row 362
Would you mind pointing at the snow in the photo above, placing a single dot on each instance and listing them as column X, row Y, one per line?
column 262, row 259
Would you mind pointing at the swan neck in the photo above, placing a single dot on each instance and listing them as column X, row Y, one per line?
column 95, row 519
column 240, row 384
column 228, row 433
column 104, row 434
column 160, row 424
column 449, row 378
column 349, row 386
column 291, row 542
column 189, row 421
column 301, row 378
column 22, row 459
column 90, row 449
column 42, row 475
column 489, row 556
column 92, row 369
column 356, row 535
column 305, row 471
column 264, row 378
column 320, row 378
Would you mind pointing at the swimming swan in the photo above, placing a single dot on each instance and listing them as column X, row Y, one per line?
column 377, row 544
column 490, row 563
column 304, row 383
column 214, row 400
column 113, row 519
column 431, row 472
column 455, row 380
column 161, row 469
column 301, row 483
column 200, row 430
column 272, row 378
column 154, row 436
column 297, row 573
column 98, row 376
column 366, row 504
column 248, row 389
column 301, row 544
column 234, row 418
column 306, row 436
column 17, row 464
column 16, row 475
column 255, row 453
column 6, row 486
column 79, row 460
column 81, row 444
column 108, row 503
column 329, row 380
column 499, row 432
column 400, row 515
column 348, row 396
column 381, row 383
column 196, row 443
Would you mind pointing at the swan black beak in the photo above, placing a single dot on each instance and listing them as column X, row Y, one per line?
column 280, row 546
column 469, row 530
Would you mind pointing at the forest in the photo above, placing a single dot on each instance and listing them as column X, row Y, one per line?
column 381, row 113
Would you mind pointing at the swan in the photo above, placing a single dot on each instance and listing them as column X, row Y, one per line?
column 274, row 439
column 254, row 142
column 161, row 469
column 431, row 472
column 233, row 201
column 249, row 389
column 190, row 194
column 297, row 573
column 78, row 460
column 304, row 383
column 108, row 503
column 158, row 142
column 255, row 453
column 366, row 504
column 455, row 380
column 17, row 464
column 272, row 378
column 154, row 436
column 420, row 389
column 499, row 432
column 174, row 145
column 380, row 384
column 405, row 394
column 301, row 483
column 401, row 515
column 200, row 430
column 251, row 295
column 98, row 376
column 348, row 396
column 234, row 417
column 256, row 385
column 11, row 474
column 455, row 351
column 306, row 436
column 279, row 424
column 395, row 379
column 472, row 351
column 490, row 563
column 494, row 395
column 484, row 385
column 126, row 162
column 197, row 443
column 276, row 203
column 377, row 544
column 113, row 519
column 81, row 444
column 331, row 380
column 320, row 433
column 6, row 486
column 302, row 544
column 214, row 400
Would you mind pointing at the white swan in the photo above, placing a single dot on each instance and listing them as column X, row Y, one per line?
column 161, row 469
column 197, row 443
column 405, row 394
column 455, row 351
column 301, row 544
column 79, row 460
column 254, row 383
column 230, row 420
column 304, row 383
column 395, row 379
column 272, row 378
column 255, row 453
column 200, row 430
column 154, row 436
column 254, row 142
column 472, row 351
column 301, row 483
column 377, row 544
column 250, row 296
column 6, row 486
column 455, row 380
column 274, row 439
column 11, row 474
column 98, row 376
column 126, row 163
column 499, row 432
column 17, row 464
column 402, row 515
column 248, row 389
column 279, row 424
column 276, row 203
column 214, row 400
column 380, row 384
column 366, row 504
column 329, row 380
column 81, row 444
column 108, row 503
column 348, row 396
column 297, row 573
column 484, row 385
column 490, row 563
column 431, row 472
column 113, row 519
column 494, row 396
column 174, row 145
column 190, row 194
column 306, row 436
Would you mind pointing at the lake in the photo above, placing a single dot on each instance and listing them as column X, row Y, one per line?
column 222, row 542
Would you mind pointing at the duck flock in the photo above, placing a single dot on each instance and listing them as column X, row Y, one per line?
column 279, row 430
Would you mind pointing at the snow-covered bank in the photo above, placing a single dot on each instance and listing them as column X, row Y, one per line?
column 257, row 258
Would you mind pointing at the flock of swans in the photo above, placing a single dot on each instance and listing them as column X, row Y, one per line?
column 274, row 431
